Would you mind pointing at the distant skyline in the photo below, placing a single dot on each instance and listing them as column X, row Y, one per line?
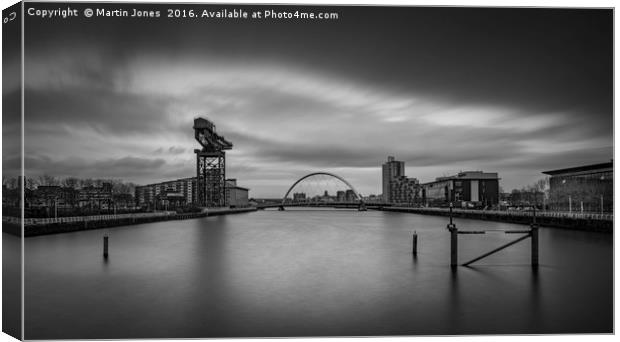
column 513, row 91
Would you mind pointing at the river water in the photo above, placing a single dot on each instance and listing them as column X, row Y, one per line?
column 313, row 273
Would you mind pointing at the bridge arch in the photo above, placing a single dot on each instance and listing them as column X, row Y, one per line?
column 357, row 194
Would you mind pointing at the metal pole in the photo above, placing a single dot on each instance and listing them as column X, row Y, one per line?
column 570, row 205
column 415, row 243
column 451, row 214
column 105, row 247
column 601, row 204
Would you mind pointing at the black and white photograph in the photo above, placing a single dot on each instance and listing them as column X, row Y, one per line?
column 178, row 170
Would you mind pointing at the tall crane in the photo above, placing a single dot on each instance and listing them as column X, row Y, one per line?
column 210, row 164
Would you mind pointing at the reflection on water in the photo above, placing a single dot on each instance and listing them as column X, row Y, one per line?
column 312, row 273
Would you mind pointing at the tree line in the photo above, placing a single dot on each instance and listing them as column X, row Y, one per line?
column 32, row 183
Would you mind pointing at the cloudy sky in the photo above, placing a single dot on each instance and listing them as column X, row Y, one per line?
column 514, row 91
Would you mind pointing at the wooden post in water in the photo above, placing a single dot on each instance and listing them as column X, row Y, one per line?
column 534, row 234
column 415, row 243
column 454, row 246
column 454, row 242
column 105, row 247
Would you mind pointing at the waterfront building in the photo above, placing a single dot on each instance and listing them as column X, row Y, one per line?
column 169, row 194
column 392, row 169
column 404, row 190
column 181, row 193
column 144, row 196
column 236, row 196
column 582, row 188
column 341, row 196
column 170, row 198
column 326, row 197
column 94, row 197
column 299, row 197
column 54, row 196
column 349, row 196
column 123, row 202
column 373, row 198
column 466, row 189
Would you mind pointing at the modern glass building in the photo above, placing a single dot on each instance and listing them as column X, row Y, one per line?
column 470, row 188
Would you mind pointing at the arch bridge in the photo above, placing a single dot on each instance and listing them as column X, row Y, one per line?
column 358, row 202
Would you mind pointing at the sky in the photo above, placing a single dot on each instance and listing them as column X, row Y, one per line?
column 513, row 91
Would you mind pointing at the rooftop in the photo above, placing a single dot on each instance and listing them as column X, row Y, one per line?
column 470, row 175
column 593, row 167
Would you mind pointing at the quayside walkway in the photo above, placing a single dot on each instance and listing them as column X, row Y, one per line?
column 41, row 226
column 569, row 220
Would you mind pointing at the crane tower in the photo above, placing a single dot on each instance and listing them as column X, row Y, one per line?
column 210, row 164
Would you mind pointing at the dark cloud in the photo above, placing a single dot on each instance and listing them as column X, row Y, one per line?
column 440, row 88
column 431, row 148
column 104, row 111
column 536, row 58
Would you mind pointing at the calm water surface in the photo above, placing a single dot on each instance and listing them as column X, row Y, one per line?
column 313, row 273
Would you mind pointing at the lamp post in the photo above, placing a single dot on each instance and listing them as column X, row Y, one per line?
column 570, row 200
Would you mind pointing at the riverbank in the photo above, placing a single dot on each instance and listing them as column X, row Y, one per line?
column 586, row 222
column 35, row 227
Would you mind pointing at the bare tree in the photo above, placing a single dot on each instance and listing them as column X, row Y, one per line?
column 9, row 182
column 70, row 182
column 47, row 180
column 31, row 183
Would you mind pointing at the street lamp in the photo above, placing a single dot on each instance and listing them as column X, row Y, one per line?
column 602, row 179
column 570, row 202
